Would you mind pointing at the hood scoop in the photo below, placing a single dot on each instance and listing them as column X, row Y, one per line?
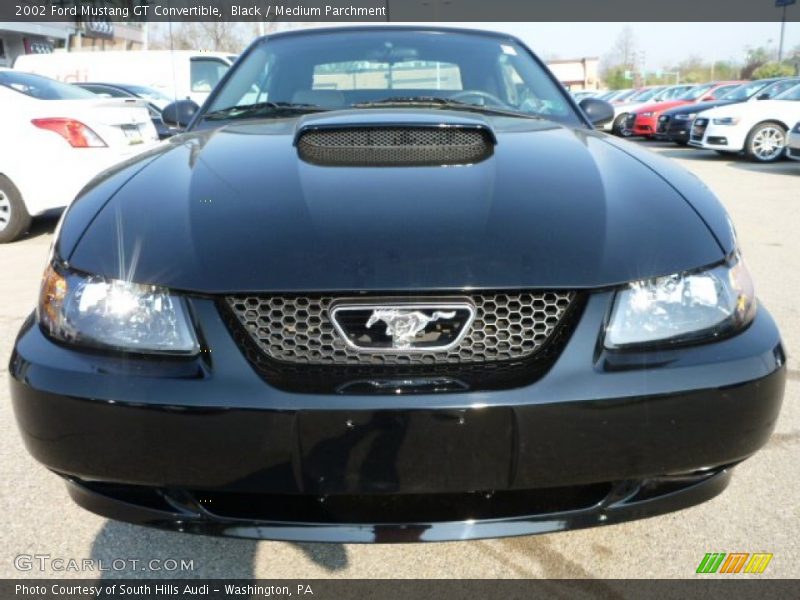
column 393, row 145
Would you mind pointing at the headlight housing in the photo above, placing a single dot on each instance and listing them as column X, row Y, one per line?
column 683, row 307
column 92, row 311
column 685, row 117
column 646, row 114
column 726, row 121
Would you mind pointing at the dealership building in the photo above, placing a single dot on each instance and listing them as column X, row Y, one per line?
column 578, row 73
column 43, row 38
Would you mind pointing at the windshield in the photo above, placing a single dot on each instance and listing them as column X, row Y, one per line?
column 790, row 94
column 148, row 93
column 336, row 70
column 695, row 93
column 42, row 88
column 777, row 88
column 746, row 90
column 645, row 95
column 673, row 92
column 624, row 95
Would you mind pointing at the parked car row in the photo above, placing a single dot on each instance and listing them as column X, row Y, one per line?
column 758, row 129
column 754, row 118
column 674, row 125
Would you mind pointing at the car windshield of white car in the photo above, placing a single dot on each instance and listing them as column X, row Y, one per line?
column 790, row 94
column 42, row 88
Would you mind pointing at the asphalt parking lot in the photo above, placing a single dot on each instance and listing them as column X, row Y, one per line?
column 760, row 511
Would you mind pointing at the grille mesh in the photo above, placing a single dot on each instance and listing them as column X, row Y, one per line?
column 298, row 329
column 387, row 146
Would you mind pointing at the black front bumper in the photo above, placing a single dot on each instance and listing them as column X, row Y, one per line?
column 675, row 130
column 180, row 511
column 597, row 439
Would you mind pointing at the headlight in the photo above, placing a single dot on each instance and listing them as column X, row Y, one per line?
column 682, row 307
column 688, row 117
column 726, row 121
column 646, row 114
column 109, row 313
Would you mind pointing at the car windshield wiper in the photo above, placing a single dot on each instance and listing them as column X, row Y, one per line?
column 261, row 109
column 437, row 102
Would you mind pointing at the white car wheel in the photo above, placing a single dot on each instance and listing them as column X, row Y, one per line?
column 766, row 142
column 14, row 218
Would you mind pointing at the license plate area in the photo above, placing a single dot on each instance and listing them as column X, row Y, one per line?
column 133, row 134
column 414, row 451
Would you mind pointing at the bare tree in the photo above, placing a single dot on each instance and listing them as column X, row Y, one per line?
column 213, row 36
column 623, row 52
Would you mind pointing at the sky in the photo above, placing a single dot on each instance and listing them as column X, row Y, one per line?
column 662, row 43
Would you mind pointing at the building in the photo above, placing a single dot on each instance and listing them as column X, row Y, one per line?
column 577, row 74
column 44, row 38
column 31, row 38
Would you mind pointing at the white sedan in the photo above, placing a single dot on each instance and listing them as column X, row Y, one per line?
column 759, row 129
column 57, row 137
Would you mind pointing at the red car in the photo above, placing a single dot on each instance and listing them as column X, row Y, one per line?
column 645, row 119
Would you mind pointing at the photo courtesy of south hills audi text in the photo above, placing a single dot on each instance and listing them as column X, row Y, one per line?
column 284, row 282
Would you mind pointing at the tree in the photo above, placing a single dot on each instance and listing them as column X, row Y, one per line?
column 774, row 69
column 614, row 78
column 621, row 58
column 624, row 50
column 754, row 58
column 214, row 36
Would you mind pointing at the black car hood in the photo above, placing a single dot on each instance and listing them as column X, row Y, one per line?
column 236, row 209
column 696, row 107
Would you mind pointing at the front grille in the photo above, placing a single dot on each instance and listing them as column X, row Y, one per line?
column 298, row 329
column 663, row 124
column 395, row 146
column 293, row 342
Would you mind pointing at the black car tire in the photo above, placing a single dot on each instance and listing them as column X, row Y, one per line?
column 770, row 133
column 14, row 217
column 618, row 128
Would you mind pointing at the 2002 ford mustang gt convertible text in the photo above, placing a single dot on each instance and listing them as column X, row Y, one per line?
column 390, row 285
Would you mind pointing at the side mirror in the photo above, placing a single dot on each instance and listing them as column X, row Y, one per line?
column 180, row 113
column 599, row 112
column 708, row 98
column 763, row 97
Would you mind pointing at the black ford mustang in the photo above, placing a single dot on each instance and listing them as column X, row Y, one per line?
column 390, row 286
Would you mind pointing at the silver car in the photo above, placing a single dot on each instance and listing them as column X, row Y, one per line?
column 793, row 142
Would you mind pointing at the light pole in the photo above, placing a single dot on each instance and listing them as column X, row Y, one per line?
column 782, row 4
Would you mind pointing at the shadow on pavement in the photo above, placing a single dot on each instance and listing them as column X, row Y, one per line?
column 213, row 557
column 41, row 226
column 782, row 167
